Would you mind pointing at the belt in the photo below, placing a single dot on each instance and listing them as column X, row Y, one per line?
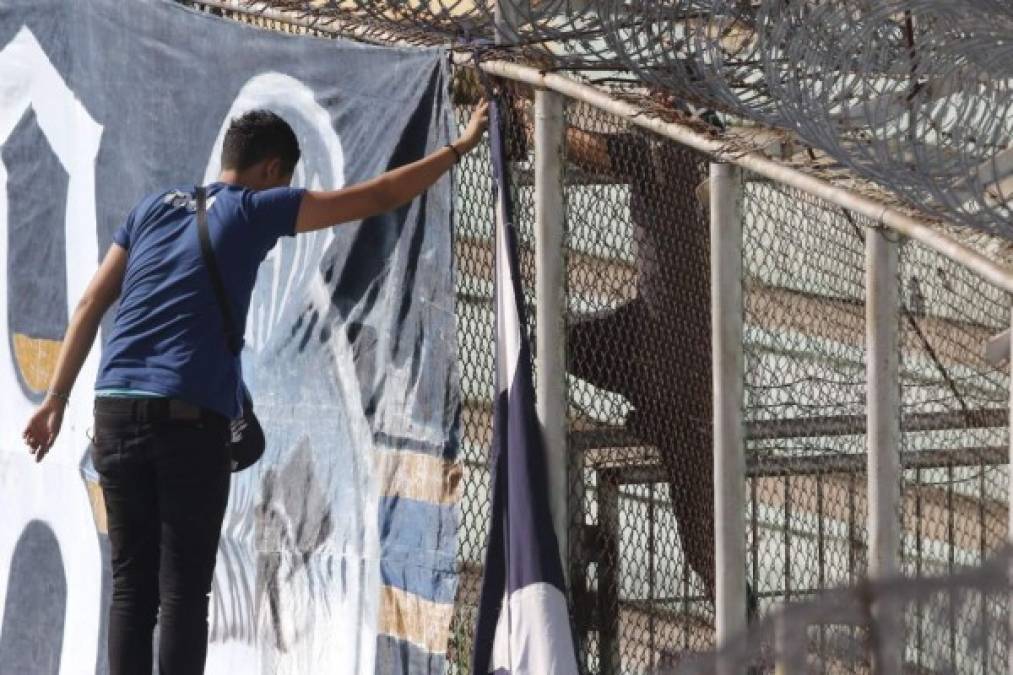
column 152, row 409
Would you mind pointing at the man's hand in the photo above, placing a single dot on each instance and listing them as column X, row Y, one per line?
column 102, row 291
column 477, row 125
column 44, row 427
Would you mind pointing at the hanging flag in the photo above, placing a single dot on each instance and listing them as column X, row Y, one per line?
column 523, row 625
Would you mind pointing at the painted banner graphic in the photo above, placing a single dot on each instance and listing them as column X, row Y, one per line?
column 338, row 548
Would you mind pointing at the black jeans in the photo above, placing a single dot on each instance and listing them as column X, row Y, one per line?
column 166, row 483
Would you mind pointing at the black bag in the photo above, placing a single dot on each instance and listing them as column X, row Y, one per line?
column 247, row 442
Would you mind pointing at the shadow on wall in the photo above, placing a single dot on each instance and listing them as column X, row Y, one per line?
column 31, row 637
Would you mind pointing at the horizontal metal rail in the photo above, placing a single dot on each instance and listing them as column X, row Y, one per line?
column 815, row 427
column 645, row 469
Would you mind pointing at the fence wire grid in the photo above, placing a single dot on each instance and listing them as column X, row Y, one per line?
column 639, row 393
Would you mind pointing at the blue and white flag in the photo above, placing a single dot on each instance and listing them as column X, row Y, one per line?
column 523, row 625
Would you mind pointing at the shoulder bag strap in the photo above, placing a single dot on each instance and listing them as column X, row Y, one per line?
column 234, row 341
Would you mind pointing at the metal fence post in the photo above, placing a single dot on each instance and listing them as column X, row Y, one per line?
column 550, row 392
column 1009, row 498
column 882, row 321
column 729, row 438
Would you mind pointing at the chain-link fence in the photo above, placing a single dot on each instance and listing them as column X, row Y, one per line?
column 638, row 335
column 804, row 269
column 473, row 227
column 474, row 274
column 955, row 447
column 638, row 361
column 638, row 357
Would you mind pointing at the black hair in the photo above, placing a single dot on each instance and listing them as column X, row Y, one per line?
column 258, row 135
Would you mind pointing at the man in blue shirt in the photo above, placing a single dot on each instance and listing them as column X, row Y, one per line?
column 169, row 383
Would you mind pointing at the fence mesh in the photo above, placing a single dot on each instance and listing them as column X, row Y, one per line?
column 638, row 355
column 473, row 209
column 804, row 335
column 474, row 277
column 805, row 409
column 955, row 447
column 638, row 336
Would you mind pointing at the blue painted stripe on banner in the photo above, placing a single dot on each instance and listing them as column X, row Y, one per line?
column 435, row 585
column 398, row 657
column 419, row 527
column 418, row 542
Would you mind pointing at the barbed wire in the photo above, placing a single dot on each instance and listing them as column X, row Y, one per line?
column 912, row 94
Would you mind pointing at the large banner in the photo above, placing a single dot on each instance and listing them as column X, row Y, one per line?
column 338, row 547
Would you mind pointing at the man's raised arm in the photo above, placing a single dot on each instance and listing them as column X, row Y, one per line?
column 390, row 190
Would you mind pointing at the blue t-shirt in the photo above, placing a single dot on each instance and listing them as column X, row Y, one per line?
column 168, row 336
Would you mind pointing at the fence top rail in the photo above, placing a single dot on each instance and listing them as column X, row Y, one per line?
column 924, row 232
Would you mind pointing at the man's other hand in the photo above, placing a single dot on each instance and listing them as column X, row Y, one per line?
column 44, row 427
